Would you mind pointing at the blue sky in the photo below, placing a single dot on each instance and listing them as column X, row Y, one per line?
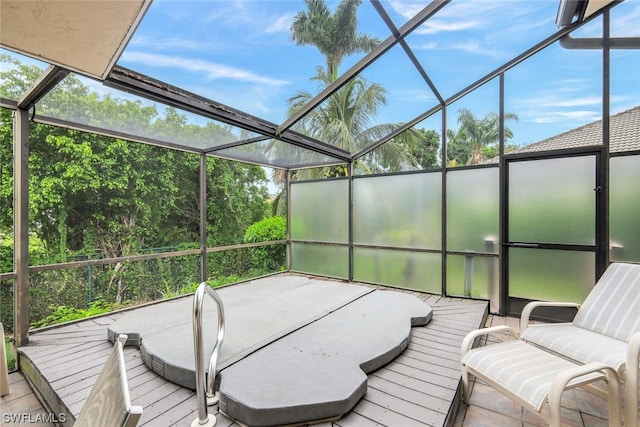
column 239, row 53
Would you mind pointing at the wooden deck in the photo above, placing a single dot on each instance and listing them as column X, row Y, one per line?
column 419, row 388
column 21, row 406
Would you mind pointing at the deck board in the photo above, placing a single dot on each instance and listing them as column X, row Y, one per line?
column 21, row 402
column 418, row 388
column 353, row 419
column 382, row 414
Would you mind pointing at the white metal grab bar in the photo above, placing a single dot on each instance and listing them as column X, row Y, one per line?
column 204, row 419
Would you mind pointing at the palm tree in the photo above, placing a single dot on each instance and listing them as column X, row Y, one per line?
column 334, row 34
column 345, row 120
column 475, row 136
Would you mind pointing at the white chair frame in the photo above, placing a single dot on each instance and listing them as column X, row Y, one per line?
column 574, row 376
column 109, row 404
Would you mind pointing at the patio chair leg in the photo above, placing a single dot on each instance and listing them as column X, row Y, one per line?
column 614, row 397
column 466, row 392
column 554, row 410
column 631, row 383
column 559, row 385
column 631, row 402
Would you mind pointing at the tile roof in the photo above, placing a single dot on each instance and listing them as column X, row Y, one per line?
column 624, row 136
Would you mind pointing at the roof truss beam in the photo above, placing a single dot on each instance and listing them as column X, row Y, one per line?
column 49, row 78
column 146, row 87
column 414, row 60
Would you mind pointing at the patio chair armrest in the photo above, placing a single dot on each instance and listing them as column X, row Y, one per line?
column 528, row 309
column 467, row 342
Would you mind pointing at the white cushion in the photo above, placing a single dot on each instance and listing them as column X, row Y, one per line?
column 579, row 344
column 519, row 369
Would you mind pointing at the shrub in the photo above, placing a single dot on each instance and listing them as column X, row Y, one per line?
column 65, row 314
column 270, row 258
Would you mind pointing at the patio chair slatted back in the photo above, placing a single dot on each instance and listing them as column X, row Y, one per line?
column 612, row 307
column 109, row 404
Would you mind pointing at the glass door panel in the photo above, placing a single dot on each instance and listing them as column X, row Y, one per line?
column 550, row 240
column 552, row 201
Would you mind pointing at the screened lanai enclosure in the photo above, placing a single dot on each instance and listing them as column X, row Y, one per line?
column 537, row 212
column 487, row 150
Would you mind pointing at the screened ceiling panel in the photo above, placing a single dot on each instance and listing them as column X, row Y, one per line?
column 277, row 154
column 386, row 94
column 562, row 92
column 407, row 93
column 85, row 36
column 237, row 65
column 392, row 156
column 369, row 23
column 468, row 39
column 402, row 11
column 81, row 100
column 239, row 53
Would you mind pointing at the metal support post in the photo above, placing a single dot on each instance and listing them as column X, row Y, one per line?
column 21, row 226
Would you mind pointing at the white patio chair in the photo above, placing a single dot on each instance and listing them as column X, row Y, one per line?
column 4, row 371
column 108, row 404
column 533, row 377
column 605, row 329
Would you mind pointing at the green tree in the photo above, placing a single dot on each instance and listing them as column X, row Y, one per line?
column 334, row 34
column 6, row 172
column 475, row 139
column 346, row 120
column 90, row 193
column 237, row 197
column 423, row 145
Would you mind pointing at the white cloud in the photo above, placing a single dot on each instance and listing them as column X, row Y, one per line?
column 170, row 43
column 228, row 13
column 250, row 17
column 472, row 46
column 280, row 24
column 493, row 28
column 406, row 9
column 426, row 46
column 452, row 17
column 477, row 48
column 557, row 101
column 580, row 116
column 624, row 19
column 259, row 106
column 434, row 26
column 576, row 102
column 409, row 95
column 210, row 70
column 560, row 106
